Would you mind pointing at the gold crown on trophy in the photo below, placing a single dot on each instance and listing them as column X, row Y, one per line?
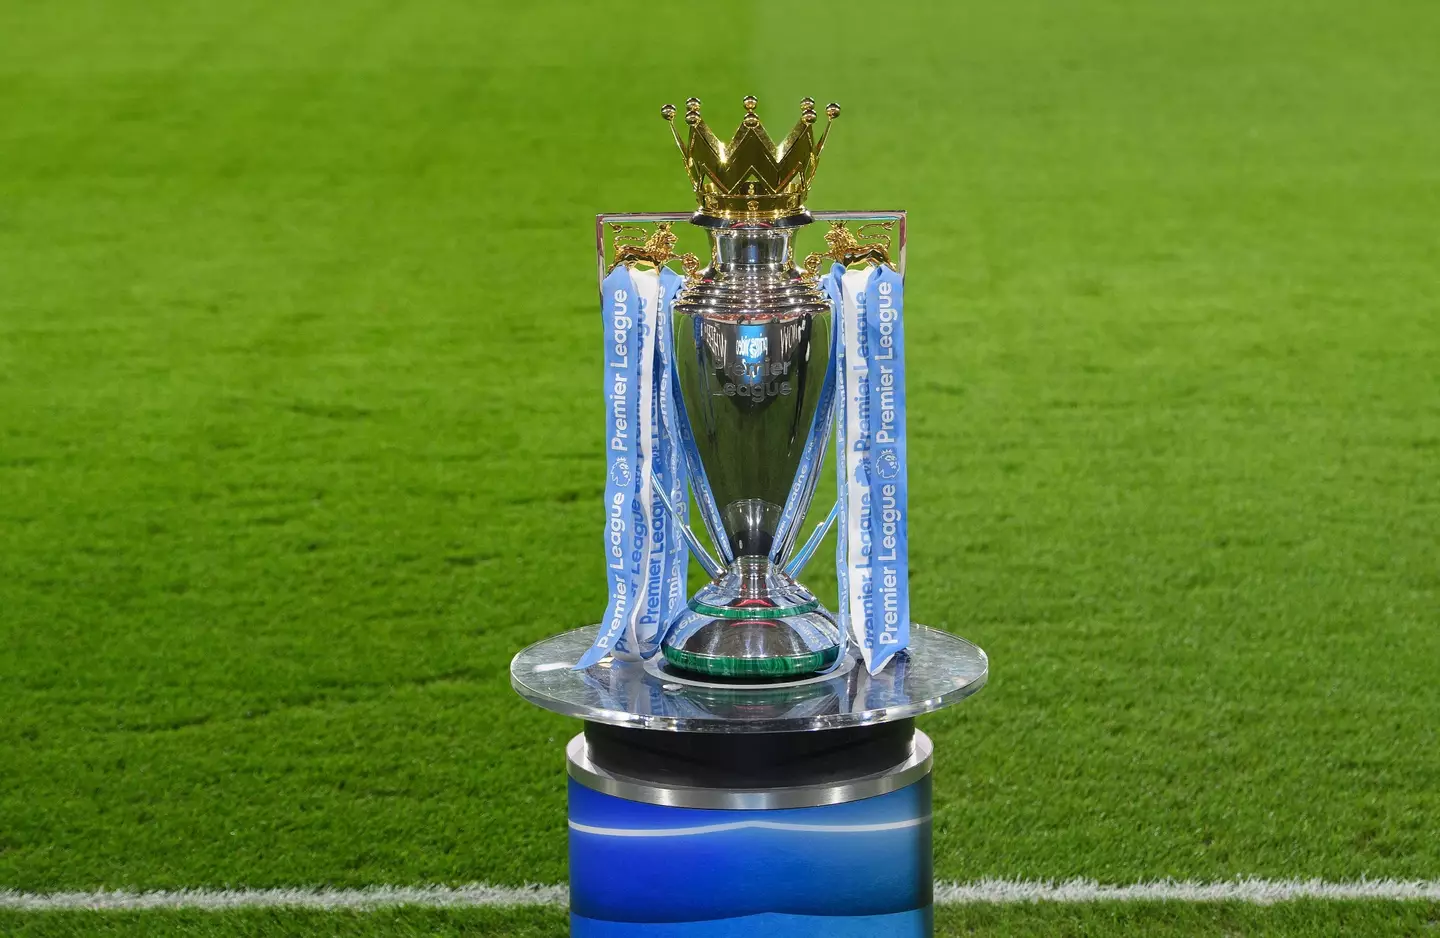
column 750, row 179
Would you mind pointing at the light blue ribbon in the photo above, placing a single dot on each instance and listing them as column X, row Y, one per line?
column 887, row 478
column 832, row 286
column 624, row 521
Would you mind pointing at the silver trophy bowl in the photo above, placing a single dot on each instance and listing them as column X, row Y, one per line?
column 752, row 359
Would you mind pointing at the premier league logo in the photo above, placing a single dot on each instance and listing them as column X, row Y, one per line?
column 887, row 465
column 620, row 473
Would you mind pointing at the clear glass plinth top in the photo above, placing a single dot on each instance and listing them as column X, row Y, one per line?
column 937, row 670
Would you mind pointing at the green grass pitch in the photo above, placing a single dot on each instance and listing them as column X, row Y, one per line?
column 300, row 432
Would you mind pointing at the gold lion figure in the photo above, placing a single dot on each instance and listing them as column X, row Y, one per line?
column 849, row 248
column 632, row 246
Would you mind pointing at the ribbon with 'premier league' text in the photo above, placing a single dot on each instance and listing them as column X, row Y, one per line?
column 872, row 560
column 675, row 473
column 889, row 485
column 833, row 285
column 645, row 559
column 620, row 312
column 661, row 581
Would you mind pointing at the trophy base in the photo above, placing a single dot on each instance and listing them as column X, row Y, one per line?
column 754, row 623
column 803, row 835
column 798, row 808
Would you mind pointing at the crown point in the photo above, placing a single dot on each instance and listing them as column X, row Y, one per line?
column 808, row 115
column 807, row 104
column 692, row 104
column 667, row 111
column 832, row 110
column 749, row 102
column 692, row 117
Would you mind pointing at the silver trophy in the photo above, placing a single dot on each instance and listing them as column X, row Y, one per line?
column 752, row 336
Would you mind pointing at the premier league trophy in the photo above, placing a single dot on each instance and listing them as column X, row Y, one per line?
column 752, row 337
column 750, row 758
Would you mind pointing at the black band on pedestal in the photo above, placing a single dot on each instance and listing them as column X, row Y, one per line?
column 750, row 760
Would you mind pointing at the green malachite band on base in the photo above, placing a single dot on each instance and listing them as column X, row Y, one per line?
column 753, row 612
column 751, row 667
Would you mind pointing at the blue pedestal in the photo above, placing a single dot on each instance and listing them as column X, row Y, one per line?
column 862, row 868
column 774, row 809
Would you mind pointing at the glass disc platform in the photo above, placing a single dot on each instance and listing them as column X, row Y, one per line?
column 937, row 670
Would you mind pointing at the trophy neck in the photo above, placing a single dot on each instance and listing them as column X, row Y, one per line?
column 752, row 253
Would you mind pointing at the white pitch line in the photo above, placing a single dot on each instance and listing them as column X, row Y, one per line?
column 986, row 891
column 1248, row 890
column 369, row 897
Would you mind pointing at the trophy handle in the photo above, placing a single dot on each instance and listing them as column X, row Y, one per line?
column 712, row 566
column 630, row 246
column 812, row 265
column 812, row 543
column 858, row 247
column 896, row 252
